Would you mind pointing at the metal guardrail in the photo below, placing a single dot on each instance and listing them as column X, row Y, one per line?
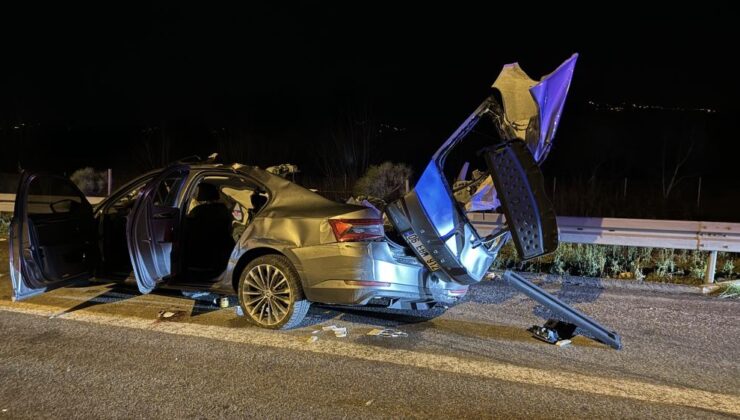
column 7, row 202
column 676, row 234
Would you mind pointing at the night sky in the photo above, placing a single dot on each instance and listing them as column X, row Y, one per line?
column 79, row 85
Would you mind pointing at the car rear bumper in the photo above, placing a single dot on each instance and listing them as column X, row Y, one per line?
column 358, row 273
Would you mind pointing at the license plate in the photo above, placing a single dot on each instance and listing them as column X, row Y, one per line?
column 421, row 250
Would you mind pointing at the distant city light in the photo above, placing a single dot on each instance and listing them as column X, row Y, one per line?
column 599, row 106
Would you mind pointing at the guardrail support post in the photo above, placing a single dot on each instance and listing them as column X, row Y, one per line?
column 711, row 267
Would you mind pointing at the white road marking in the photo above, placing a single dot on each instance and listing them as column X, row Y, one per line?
column 610, row 387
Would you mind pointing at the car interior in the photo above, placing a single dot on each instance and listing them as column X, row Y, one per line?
column 114, row 248
column 218, row 212
column 60, row 222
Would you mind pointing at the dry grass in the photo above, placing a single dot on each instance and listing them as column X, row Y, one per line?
column 4, row 222
column 730, row 290
column 621, row 262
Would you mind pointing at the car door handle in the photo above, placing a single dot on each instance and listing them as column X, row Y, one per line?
column 167, row 215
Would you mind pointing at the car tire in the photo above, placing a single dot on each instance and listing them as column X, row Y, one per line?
column 270, row 293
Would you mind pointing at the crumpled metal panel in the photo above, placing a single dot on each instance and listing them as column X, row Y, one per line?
column 295, row 216
column 484, row 198
column 327, row 267
column 550, row 96
column 294, row 223
column 292, row 200
column 520, row 109
column 532, row 108
column 433, row 193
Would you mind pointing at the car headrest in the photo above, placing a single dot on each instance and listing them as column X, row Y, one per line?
column 207, row 192
column 258, row 201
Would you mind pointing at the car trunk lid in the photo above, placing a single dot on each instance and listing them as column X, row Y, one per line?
column 434, row 224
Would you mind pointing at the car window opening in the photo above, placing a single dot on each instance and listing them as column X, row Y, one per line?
column 116, row 260
column 218, row 213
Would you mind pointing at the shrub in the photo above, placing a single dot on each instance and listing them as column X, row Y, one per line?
column 665, row 266
column 385, row 181
column 728, row 267
column 4, row 223
column 698, row 265
column 558, row 265
column 681, row 266
column 90, row 181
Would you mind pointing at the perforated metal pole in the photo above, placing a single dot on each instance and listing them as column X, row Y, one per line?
column 711, row 267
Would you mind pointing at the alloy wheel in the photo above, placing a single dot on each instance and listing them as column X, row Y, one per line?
column 266, row 294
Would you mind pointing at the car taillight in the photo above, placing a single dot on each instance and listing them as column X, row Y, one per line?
column 355, row 230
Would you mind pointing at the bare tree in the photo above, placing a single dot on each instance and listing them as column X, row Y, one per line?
column 384, row 181
column 233, row 146
column 670, row 177
column 90, row 181
column 347, row 153
column 153, row 148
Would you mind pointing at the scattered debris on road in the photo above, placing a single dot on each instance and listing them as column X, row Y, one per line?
column 339, row 332
column 369, row 402
column 563, row 343
column 387, row 332
column 542, row 333
column 197, row 295
column 169, row 315
column 312, row 339
column 553, row 332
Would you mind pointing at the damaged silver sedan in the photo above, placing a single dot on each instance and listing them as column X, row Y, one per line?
column 242, row 230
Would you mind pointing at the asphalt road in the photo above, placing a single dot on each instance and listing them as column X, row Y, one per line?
column 101, row 350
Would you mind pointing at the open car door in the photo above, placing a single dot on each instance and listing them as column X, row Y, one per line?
column 52, row 235
column 435, row 225
column 153, row 228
